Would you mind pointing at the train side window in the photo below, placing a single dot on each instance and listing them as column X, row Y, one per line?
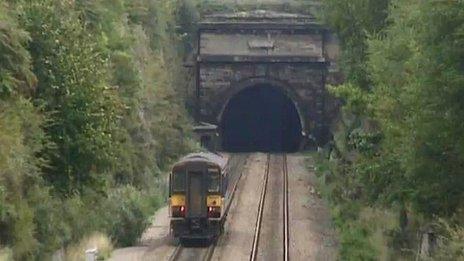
column 178, row 182
column 214, row 182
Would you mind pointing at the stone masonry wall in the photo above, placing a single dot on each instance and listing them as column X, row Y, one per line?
column 303, row 83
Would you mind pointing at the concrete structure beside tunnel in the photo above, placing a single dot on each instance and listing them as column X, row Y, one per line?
column 289, row 52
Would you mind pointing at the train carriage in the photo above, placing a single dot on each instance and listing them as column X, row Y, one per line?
column 197, row 188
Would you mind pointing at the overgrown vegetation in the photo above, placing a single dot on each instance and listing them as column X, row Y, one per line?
column 395, row 170
column 91, row 114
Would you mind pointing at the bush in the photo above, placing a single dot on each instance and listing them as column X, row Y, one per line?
column 129, row 213
column 90, row 119
column 398, row 146
column 452, row 242
column 97, row 240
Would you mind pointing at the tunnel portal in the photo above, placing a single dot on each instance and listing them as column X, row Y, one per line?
column 261, row 118
column 261, row 77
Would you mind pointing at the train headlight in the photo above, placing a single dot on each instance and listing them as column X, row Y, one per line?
column 214, row 212
column 178, row 211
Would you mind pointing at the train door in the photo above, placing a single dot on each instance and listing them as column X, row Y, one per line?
column 196, row 196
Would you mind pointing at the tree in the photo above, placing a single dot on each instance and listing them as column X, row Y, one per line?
column 70, row 67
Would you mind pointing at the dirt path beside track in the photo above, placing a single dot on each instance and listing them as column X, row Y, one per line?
column 312, row 235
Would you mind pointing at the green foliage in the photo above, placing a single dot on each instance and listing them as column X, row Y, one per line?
column 21, row 138
column 15, row 72
column 355, row 21
column 453, row 242
column 424, row 96
column 91, row 116
column 399, row 144
column 72, row 89
column 356, row 98
column 127, row 210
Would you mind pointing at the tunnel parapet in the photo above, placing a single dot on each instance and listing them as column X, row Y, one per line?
column 292, row 52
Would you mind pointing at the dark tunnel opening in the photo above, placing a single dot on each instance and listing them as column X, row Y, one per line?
column 261, row 118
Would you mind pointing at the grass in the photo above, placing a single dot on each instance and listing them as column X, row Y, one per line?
column 97, row 240
column 365, row 231
column 6, row 254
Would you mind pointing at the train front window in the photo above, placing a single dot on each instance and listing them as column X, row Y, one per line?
column 178, row 182
column 214, row 181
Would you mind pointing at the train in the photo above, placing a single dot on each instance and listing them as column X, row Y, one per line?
column 198, row 184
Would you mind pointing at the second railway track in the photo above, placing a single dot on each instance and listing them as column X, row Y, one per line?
column 259, row 219
column 285, row 212
column 205, row 254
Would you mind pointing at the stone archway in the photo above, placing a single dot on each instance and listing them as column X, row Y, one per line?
column 260, row 115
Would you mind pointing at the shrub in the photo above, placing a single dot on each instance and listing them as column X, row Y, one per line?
column 129, row 212
column 90, row 118
column 97, row 240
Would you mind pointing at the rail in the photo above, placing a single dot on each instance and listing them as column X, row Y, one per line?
column 285, row 205
column 286, row 231
column 259, row 219
column 176, row 253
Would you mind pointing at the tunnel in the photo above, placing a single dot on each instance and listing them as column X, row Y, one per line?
column 261, row 118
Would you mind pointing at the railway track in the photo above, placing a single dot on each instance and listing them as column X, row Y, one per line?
column 184, row 253
column 285, row 217
column 259, row 219
column 286, row 230
column 205, row 254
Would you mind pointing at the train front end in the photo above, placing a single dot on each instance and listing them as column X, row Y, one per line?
column 197, row 185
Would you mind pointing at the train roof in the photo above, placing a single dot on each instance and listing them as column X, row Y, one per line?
column 203, row 157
